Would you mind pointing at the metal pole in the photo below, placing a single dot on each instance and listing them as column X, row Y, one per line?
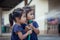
column 26, row 2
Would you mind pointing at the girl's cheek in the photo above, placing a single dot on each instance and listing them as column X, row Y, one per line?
column 32, row 17
column 28, row 17
column 24, row 20
column 21, row 21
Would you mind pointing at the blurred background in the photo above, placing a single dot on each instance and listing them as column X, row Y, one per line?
column 47, row 15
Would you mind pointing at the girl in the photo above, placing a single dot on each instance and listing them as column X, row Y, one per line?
column 19, row 17
column 33, row 24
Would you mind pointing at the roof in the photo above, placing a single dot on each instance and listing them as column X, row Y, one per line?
column 9, row 4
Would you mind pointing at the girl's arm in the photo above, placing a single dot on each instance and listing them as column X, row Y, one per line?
column 36, row 30
column 27, row 28
column 21, row 36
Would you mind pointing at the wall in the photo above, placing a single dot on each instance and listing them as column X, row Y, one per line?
column 5, row 15
column 54, row 7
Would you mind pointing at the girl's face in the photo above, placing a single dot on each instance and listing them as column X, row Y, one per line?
column 30, row 15
column 23, row 18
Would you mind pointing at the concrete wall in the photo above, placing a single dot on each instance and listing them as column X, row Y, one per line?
column 54, row 7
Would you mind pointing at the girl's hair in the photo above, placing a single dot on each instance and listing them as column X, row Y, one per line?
column 16, row 13
column 27, row 9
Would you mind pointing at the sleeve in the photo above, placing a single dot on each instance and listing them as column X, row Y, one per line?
column 17, row 29
column 24, row 25
column 35, row 24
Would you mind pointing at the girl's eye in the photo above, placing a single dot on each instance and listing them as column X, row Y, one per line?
column 31, row 14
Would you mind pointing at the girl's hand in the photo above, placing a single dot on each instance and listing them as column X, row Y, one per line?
column 30, row 31
column 30, row 25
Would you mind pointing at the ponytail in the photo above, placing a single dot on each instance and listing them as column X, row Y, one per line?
column 11, row 19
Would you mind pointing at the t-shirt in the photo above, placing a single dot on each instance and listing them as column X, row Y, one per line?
column 15, row 29
column 33, row 35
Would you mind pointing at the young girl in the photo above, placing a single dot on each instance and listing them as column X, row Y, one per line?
column 19, row 17
column 33, row 25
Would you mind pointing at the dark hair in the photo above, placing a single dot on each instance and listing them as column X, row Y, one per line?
column 16, row 13
column 27, row 9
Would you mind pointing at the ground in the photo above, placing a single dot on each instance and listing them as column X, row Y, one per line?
column 40, row 38
column 49, row 38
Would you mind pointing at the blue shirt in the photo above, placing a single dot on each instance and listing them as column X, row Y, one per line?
column 33, row 35
column 15, row 29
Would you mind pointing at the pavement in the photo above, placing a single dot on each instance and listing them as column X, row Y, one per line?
column 42, row 37
column 49, row 38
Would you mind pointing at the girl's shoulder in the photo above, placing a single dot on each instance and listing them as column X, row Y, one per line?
column 16, row 26
column 34, row 22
